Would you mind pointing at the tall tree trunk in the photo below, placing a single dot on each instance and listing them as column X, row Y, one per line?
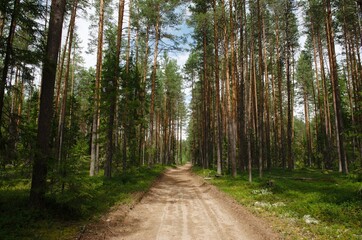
column 60, row 69
column 327, row 115
column 260, row 126
column 143, row 93
column 335, row 89
column 7, row 61
column 289, row 89
column 129, row 35
column 60, row 135
column 275, row 118
column 217, row 91
column 40, row 166
column 248, row 121
column 307, row 126
column 2, row 23
column 232, row 97
column 13, row 127
column 321, row 112
column 205, row 100
column 113, row 96
column 96, row 109
column 181, row 139
column 266, row 100
column 280, row 100
column 241, row 98
column 154, row 74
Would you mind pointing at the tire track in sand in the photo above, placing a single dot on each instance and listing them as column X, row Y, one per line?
column 181, row 206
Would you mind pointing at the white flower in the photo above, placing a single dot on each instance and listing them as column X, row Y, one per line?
column 309, row 220
column 261, row 192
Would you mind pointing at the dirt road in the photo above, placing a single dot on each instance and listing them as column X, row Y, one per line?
column 182, row 206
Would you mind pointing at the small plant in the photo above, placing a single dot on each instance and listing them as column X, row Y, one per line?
column 303, row 201
column 309, row 220
column 264, row 191
column 269, row 205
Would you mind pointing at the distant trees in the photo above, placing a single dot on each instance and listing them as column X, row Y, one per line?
column 21, row 44
column 258, row 81
column 247, row 72
column 126, row 112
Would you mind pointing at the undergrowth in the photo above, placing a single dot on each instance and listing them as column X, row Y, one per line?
column 68, row 207
column 303, row 204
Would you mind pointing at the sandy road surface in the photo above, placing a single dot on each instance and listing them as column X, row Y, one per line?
column 181, row 206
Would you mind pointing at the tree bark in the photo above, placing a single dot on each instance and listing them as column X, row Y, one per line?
column 96, row 117
column 129, row 35
column 7, row 60
column 40, row 166
column 260, row 127
column 154, row 73
column 60, row 135
column 60, row 69
column 335, row 89
column 217, row 92
column 280, row 100
column 232, row 97
column 113, row 98
column 289, row 91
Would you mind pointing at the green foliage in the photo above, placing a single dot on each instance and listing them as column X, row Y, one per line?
column 331, row 198
column 131, row 109
column 83, row 198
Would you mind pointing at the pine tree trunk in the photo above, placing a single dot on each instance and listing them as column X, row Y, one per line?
column 96, row 113
column 2, row 21
column 232, row 97
column 65, row 87
column 307, row 127
column 248, row 123
column 321, row 112
column 7, row 61
column 289, row 91
column 40, row 165
column 143, row 93
column 266, row 101
column 335, row 90
column 327, row 115
column 241, row 98
column 280, row 100
column 262, row 76
column 180, row 139
column 153, row 87
column 60, row 69
column 275, row 120
column 113, row 98
column 129, row 35
column 217, row 92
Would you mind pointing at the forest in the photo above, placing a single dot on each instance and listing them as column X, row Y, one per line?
column 253, row 74
column 268, row 86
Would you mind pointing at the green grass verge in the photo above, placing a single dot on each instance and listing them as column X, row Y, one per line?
column 302, row 204
column 83, row 198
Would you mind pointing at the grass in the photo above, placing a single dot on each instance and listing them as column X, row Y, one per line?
column 83, row 199
column 330, row 202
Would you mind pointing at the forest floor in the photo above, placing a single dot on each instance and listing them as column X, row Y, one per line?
column 180, row 205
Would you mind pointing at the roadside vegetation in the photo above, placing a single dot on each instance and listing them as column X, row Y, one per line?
column 301, row 204
column 69, row 205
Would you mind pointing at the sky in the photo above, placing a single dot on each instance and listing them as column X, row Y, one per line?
column 83, row 30
column 181, row 57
